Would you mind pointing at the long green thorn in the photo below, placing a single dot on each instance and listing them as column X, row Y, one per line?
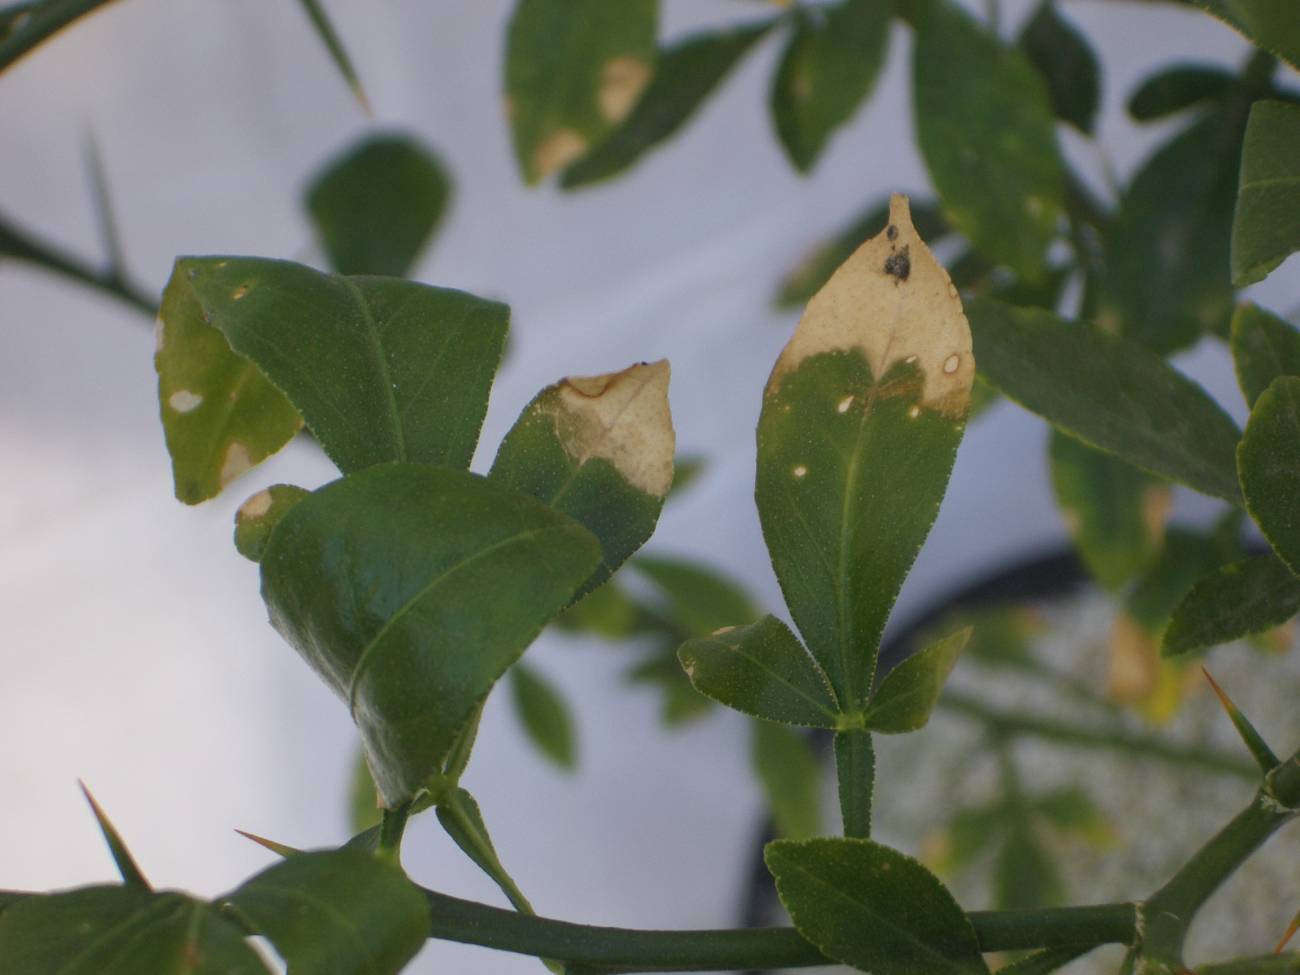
column 279, row 849
column 319, row 19
column 1259, row 749
column 126, row 865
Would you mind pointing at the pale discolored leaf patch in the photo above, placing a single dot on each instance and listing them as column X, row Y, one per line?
column 896, row 304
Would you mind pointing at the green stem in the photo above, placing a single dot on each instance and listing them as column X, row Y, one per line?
column 855, row 767
column 624, row 950
column 1168, row 914
column 42, row 23
column 391, row 829
column 18, row 244
column 1115, row 739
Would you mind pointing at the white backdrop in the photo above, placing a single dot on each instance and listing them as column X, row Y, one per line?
column 134, row 651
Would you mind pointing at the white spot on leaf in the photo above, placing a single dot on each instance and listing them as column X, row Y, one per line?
column 256, row 506
column 620, row 417
column 843, row 405
column 556, row 151
column 239, row 292
column 236, row 462
column 914, row 412
column 951, row 363
column 622, row 80
column 159, row 335
column 801, row 471
column 890, row 318
column 182, row 401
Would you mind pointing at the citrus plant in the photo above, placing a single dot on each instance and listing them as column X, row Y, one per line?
column 412, row 585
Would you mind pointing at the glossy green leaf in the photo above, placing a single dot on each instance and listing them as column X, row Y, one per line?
column 599, row 449
column 1263, row 347
column 1266, row 224
column 1269, row 461
column 121, row 931
column 990, row 147
column 122, row 858
column 220, row 414
column 381, row 369
column 686, row 74
column 1166, row 279
column 873, row 908
column 1270, row 24
column 791, row 776
column 1233, row 602
column 334, row 45
column 762, row 670
column 1067, row 63
column 1025, row 878
column 698, row 599
column 1178, row 87
column 1115, row 512
column 387, row 583
column 907, row 695
column 574, row 69
column 827, row 70
column 1110, row 393
column 259, row 515
column 816, row 268
column 364, row 812
column 860, row 424
column 336, row 912
column 376, row 205
column 544, row 715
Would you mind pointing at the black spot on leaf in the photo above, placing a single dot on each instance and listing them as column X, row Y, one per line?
column 899, row 265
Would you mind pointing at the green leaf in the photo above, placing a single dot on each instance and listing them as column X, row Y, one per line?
column 1266, row 225
column 376, row 205
column 330, row 38
column 873, row 908
column 461, row 817
column 1234, row 601
column 599, row 449
column 909, row 692
column 1270, row 24
column 816, row 268
column 363, row 798
column 1025, row 877
column 1263, row 348
column 680, row 701
column 574, row 70
column 1115, row 512
column 1186, row 557
column 1176, row 88
column 1067, row 63
column 544, row 716
column 686, row 74
column 829, row 66
column 122, row 858
column 1045, row 961
column 1166, row 281
column 990, row 147
column 1269, row 461
column 220, row 415
column 387, row 582
column 861, row 420
column 121, row 931
column 699, row 599
column 381, row 369
column 762, row 670
column 336, row 912
column 258, row 516
column 1109, row 392
column 791, row 776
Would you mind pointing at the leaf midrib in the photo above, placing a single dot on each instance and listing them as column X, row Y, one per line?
column 381, row 362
